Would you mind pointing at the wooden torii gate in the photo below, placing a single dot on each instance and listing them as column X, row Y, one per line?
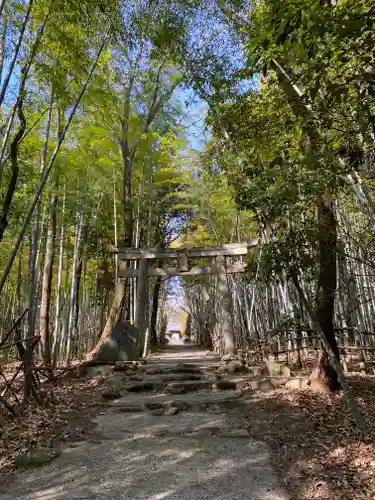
column 219, row 267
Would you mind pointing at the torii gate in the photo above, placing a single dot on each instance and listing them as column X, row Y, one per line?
column 219, row 253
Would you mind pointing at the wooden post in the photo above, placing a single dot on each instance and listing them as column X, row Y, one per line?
column 141, row 312
column 226, row 320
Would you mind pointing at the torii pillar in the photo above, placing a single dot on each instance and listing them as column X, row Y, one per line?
column 225, row 307
column 142, row 304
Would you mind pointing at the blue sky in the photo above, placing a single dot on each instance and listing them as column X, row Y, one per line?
column 195, row 110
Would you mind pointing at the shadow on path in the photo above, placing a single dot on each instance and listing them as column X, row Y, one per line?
column 193, row 455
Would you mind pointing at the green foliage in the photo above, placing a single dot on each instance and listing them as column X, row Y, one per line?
column 328, row 51
column 260, row 168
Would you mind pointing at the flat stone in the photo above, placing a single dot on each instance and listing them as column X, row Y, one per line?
column 111, row 394
column 228, row 357
column 153, row 406
column 187, row 386
column 165, row 378
column 193, row 399
column 210, row 369
column 297, row 383
column 187, row 368
column 129, row 409
column 267, row 383
column 180, row 405
column 171, row 411
column 181, row 377
column 157, row 412
column 255, row 370
column 152, row 371
column 224, row 385
column 261, row 385
column 176, row 390
column 204, row 432
column 37, row 457
column 233, row 366
column 124, row 366
column 236, row 367
column 141, row 387
column 274, row 369
column 242, row 384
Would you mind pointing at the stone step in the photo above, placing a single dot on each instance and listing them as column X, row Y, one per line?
column 158, row 382
column 192, row 386
column 166, row 368
column 175, row 377
column 144, row 386
column 266, row 384
column 188, row 382
column 141, row 402
column 187, row 386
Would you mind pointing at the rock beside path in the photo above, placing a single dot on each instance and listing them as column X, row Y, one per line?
column 120, row 345
column 37, row 457
column 274, row 369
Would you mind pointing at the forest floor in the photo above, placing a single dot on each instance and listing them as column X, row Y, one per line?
column 315, row 447
column 224, row 447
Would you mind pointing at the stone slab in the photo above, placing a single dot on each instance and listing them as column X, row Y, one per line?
column 193, row 399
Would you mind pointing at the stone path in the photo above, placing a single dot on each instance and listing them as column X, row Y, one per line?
column 157, row 445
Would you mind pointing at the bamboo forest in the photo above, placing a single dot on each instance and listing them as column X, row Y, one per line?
column 187, row 271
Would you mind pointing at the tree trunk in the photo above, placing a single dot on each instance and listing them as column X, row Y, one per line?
column 45, row 303
column 115, row 228
column 15, row 55
column 33, row 292
column 4, row 27
column 58, row 285
column 323, row 374
column 14, row 171
column 113, row 316
column 73, row 291
column 78, row 296
column 127, row 199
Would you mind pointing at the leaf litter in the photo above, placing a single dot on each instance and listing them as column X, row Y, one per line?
column 316, row 447
column 69, row 405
